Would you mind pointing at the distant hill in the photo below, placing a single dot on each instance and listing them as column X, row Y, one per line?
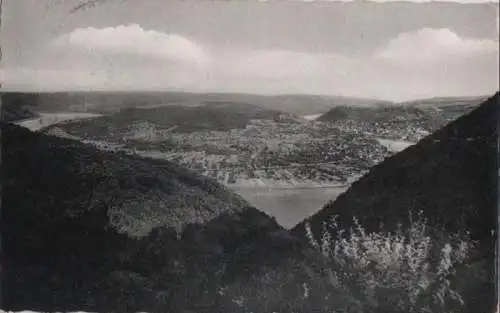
column 102, row 102
column 308, row 105
column 451, row 175
column 442, row 109
column 449, row 108
column 446, row 101
column 84, row 229
column 376, row 113
column 396, row 121
column 209, row 116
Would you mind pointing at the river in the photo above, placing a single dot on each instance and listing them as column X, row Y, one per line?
column 289, row 205
column 47, row 119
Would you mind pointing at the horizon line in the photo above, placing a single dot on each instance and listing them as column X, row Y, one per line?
column 229, row 93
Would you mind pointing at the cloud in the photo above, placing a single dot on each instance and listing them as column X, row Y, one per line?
column 423, row 63
column 434, row 45
column 133, row 40
column 427, row 62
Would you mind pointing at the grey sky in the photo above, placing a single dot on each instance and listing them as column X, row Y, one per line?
column 395, row 51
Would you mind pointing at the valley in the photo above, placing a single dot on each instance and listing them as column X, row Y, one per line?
column 286, row 165
column 249, row 156
column 213, row 189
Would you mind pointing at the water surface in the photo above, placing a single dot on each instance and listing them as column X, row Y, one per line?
column 395, row 145
column 289, row 205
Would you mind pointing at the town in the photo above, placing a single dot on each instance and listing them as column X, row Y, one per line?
column 279, row 149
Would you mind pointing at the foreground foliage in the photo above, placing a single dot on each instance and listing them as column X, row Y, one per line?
column 404, row 271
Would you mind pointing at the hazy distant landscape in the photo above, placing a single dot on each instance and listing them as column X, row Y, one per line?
column 286, row 164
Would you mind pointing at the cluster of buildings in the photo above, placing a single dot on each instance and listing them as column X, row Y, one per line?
column 391, row 129
column 279, row 151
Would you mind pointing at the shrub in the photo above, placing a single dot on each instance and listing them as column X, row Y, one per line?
column 393, row 272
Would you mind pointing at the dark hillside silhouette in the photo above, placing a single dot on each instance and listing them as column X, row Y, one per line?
column 450, row 175
column 206, row 248
column 17, row 106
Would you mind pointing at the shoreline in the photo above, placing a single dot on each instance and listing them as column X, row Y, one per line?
column 289, row 187
column 43, row 119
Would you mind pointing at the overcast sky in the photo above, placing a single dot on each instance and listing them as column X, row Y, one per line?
column 394, row 51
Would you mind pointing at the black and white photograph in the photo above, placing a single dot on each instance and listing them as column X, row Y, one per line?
column 249, row 156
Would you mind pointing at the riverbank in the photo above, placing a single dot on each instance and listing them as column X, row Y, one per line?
column 395, row 145
column 47, row 119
